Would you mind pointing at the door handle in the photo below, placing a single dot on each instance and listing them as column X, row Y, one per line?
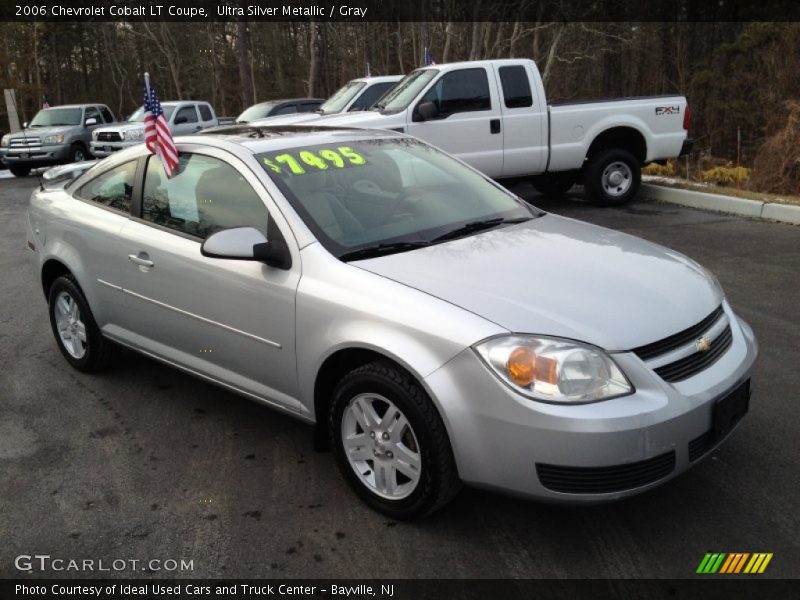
column 142, row 262
column 198, row 128
column 494, row 126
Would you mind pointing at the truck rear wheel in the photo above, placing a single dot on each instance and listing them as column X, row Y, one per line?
column 612, row 177
column 77, row 153
column 19, row 171
column 553, row 184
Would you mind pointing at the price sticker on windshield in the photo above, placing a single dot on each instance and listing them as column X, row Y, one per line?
column 301, row 162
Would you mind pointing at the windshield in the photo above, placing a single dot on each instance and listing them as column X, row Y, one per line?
column 257, row 111
column 401, row 95
column 56, row 116
column 383, row 193
column 340, row 99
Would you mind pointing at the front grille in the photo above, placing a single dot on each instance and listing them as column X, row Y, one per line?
column 24, row 142
column 109, row 136
column 694, row 363
column 603, row 480
column 679, row 339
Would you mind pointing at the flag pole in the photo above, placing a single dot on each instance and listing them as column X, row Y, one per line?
column 147, row 82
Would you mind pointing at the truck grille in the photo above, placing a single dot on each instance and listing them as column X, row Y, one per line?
column 24, row 142
column 109, row 136
column 603, row 480
column 688, row 356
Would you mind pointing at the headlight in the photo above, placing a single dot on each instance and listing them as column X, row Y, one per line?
column 554, row 370
column 53, row 139
column 95, row 133
column 135, row 135
column 5, row 141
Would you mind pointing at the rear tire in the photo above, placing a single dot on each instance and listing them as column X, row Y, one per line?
column 612, row 177
column 78, row 337
column 19, row 171
column 554, row 185
column 394, row 434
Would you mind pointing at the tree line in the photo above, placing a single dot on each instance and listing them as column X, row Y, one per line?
column 736, row 75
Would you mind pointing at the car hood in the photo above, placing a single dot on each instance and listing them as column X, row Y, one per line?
column 121, row 126
column 43, row 131
column 560, row 277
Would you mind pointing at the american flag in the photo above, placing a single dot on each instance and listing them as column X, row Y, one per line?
column 428, row 57
column 157, row 137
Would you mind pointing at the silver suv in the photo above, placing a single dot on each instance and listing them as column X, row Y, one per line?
column 56, row 135
column 183, row 118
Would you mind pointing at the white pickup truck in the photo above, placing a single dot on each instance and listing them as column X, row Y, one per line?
column 493, row 115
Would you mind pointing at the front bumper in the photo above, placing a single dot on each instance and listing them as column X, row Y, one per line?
column 38, row 155
column 103, row 149
column 501, row 440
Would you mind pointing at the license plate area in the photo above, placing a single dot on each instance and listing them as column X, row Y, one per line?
column 728, row 411
column 107, row 148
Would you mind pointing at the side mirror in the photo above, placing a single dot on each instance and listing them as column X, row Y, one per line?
column 246, row 243
column 91, row 121
column 181, row 120
column 427, row 111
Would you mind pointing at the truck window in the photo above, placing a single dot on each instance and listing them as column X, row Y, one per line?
column 516, row 89
column 464, row 90
column 91, row 112
column 285, row 110
column 205, row 112
column 187, row 112
column 107, row 116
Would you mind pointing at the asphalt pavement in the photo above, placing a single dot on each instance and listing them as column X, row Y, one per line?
column 143, row 462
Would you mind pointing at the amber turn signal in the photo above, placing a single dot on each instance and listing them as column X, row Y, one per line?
column 521, row 366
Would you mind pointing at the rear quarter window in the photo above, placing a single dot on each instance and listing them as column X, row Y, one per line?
column 205, row 112
column 516, row 87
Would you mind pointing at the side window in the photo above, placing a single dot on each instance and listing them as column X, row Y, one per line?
column 91, row 112
column 187, row 112
column 516, row 88
column 464, row 90
column 204, row 196
column 113, row 188
column 107, row 116
column 205, row 112
column 309, row 106
column 285, row 110
column 371, row 95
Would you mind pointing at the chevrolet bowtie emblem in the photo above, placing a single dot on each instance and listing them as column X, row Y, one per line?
column 703, row 344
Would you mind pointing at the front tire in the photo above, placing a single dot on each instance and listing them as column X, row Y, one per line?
column 612, row 177
column 554, row 185
column 390, row 443
column 19, row 171
column 77, row 153
column 78, row 337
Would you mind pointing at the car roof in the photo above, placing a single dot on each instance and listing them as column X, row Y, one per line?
column 263, row 138
column 171, row 102
column 379, row 78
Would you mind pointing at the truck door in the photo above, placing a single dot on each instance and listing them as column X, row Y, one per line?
column 524, row 123
column 467, row 119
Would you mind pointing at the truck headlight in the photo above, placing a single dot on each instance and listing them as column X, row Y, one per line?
column 135, row 135
column 53, row 139
column 554, row 370
column 5, row 140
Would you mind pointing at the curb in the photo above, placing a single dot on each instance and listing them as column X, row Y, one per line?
column 785, row 213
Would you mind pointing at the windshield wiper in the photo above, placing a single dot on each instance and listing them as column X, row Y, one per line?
column 381, row 250
column 474, row 226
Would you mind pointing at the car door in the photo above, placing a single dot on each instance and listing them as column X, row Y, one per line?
column 185, row 120
column 228, row 320
column 468, row 121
